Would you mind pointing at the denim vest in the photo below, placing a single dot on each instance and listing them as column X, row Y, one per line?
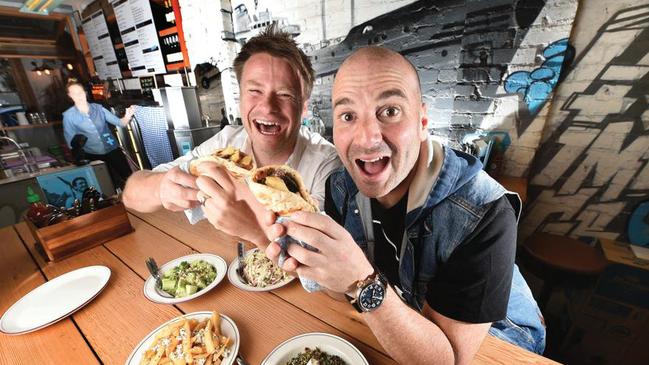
column 433, row 231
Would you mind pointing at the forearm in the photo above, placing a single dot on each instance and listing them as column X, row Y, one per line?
column 142, row 191
column 406, row 335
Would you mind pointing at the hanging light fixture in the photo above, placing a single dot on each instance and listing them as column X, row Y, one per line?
column 37, row 69
column 69, row 66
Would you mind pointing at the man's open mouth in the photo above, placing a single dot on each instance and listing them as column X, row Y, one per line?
column 373, row 166
column 267, row 127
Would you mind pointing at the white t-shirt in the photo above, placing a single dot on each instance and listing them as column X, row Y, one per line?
column 314, row 157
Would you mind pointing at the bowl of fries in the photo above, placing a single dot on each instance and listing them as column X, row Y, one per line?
column 205, row 338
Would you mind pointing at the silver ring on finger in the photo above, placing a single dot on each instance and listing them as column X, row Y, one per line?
column 202, row 198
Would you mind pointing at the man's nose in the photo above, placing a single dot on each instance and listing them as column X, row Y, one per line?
column 368, row 133
column 269, row 103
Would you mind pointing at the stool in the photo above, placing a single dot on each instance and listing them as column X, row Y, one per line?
column 556, row 259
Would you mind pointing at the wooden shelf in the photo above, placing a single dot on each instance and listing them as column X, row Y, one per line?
column 166, row 32
column 50, row 124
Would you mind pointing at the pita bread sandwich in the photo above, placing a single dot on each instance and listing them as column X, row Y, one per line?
column 234, row 160
column 281, row 189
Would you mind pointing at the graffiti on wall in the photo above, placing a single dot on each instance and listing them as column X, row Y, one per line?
column 591, row 177
column 536, row 86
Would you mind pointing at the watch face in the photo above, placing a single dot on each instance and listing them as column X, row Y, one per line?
column 371, row 296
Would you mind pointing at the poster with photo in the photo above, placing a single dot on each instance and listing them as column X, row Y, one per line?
column 62, row 188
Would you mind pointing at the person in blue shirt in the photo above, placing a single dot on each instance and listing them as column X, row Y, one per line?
column 89, row 119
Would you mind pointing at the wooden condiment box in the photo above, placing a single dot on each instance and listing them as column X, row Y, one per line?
column 81, row 233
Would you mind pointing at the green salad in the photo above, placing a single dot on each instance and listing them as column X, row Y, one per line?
column 187, row 278
column 315, row 357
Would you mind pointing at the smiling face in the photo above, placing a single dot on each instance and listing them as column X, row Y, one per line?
column 271, row 106
column 379, row 122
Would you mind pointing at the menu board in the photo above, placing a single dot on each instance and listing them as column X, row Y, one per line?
column 101, row 46
column 136, row 26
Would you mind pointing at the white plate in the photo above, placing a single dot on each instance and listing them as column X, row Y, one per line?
column 216, row 261
column 239, row 282
column 332, row 345
column 228, row 328
column 54, row 300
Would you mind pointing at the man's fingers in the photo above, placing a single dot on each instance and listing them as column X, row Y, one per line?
column 304, row 256
column 272, row 251
column 276, row 230
column 217, row 173
column 268, row 218
column 320, row 222
column 290, row 265
column 186, row 195
column 307, row 234
column 182, row 178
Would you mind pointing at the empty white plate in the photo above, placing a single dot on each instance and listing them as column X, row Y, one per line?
column 228, row 328
column 332, row 345
column 217, row 261
column 54, row 300
column 240, row 283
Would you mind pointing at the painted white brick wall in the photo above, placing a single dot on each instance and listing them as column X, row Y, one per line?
column 308, row 14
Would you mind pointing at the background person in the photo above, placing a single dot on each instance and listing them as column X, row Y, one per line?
column 89, row 119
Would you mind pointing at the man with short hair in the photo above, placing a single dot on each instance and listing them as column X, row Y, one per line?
column 419, row 239
column 275, row 81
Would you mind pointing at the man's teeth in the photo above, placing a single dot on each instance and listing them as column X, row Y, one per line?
column 265, row 122
column 374, row 160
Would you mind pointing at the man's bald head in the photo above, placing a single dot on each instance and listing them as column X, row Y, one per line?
column 378, row 117
column 374, row 56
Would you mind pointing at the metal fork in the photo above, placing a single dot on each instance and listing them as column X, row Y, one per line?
column 240, row 360
column 155, row 272
column 240, row 249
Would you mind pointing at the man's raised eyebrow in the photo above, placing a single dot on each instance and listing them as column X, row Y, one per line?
column 392, row 92
column 342, row 101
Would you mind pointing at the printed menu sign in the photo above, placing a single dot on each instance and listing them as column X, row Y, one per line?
column 135, row 23
column 101, row 46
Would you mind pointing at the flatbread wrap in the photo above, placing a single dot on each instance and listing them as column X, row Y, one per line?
column 281, row 189
column 234, row 160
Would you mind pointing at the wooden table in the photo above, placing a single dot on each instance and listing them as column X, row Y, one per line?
column 107, row 329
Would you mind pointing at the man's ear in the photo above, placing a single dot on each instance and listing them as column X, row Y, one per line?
column 424, row 120
column 305, row 106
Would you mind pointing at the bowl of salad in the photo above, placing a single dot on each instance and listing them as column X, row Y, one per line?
column 259, row 273
column 187, row 277
column 315, row 348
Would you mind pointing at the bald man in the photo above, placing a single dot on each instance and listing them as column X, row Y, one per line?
column 418, row 238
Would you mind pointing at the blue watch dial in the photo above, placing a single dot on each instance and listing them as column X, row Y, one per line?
column 371, row 296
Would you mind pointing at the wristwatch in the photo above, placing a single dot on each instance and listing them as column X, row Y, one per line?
column 368, row 294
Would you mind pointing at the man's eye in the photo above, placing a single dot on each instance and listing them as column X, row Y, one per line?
column 254, row 91
column 347, row 117
column 391, row 112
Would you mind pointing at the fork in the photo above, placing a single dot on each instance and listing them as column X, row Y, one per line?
column 155, row 272
column 240, row 249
